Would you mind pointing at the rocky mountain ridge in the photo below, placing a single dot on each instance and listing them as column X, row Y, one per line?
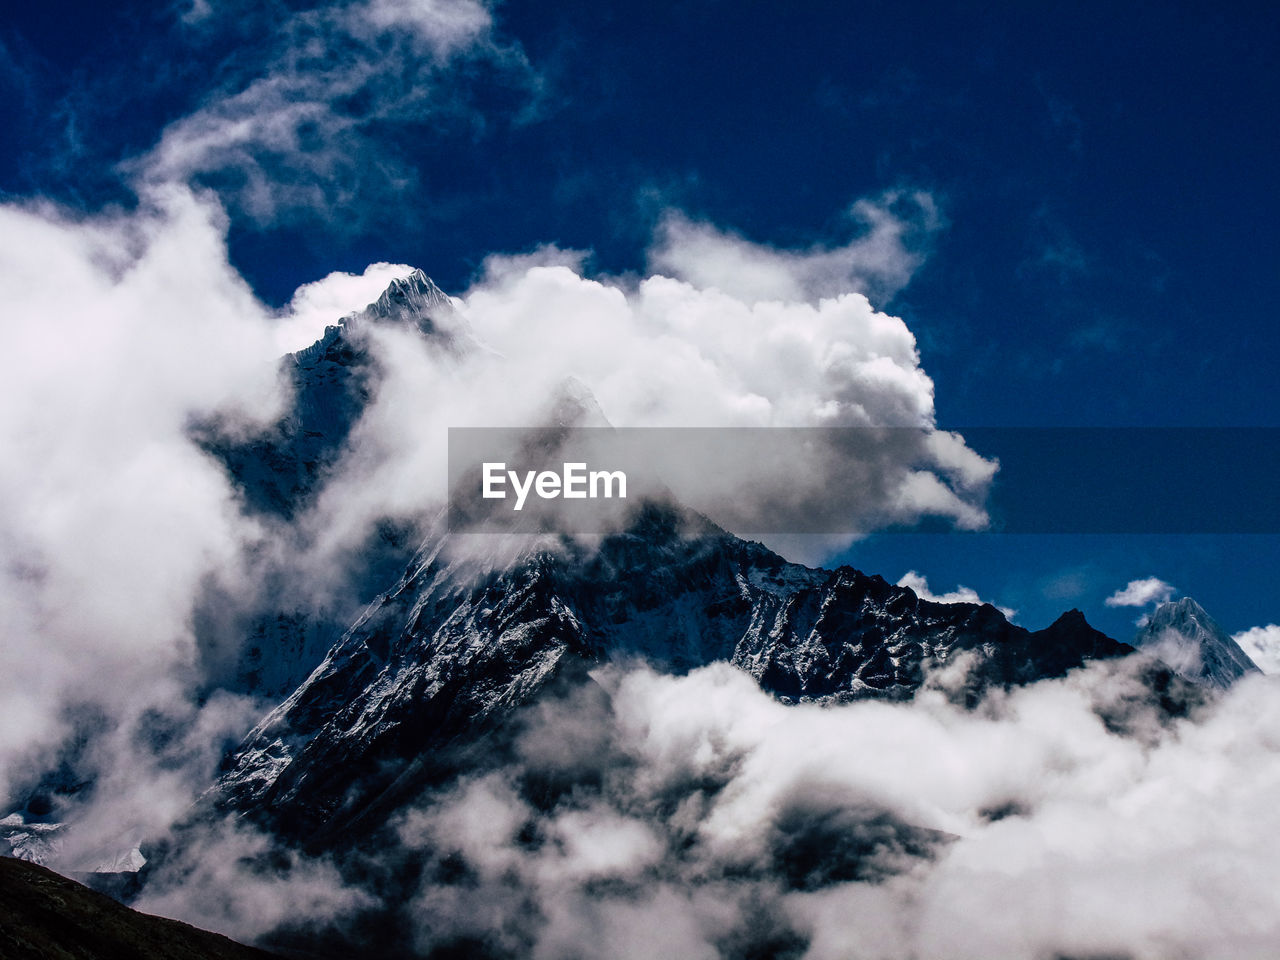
column 460, row 642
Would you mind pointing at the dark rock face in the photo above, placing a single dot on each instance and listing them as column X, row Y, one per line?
column 46, row 915
column 461, row 642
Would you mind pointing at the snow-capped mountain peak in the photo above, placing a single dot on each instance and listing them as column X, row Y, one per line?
column 415, row 297
column 1193, row 645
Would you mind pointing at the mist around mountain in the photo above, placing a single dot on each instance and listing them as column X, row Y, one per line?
column 395, row 740
column 1192, row 643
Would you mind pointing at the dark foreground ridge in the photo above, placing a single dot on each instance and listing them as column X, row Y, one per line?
column 49, row 917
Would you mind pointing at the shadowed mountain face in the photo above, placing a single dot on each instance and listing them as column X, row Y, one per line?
column 280, row 472
column 462, row 640
column 48, row 917
column 331, row 382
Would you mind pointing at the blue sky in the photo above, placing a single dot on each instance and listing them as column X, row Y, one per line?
column 1101, row 248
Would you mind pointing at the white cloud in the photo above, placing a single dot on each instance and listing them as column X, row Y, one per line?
column 1139, row 593
column 322, row 302
column 119, row 329
column 232, row 879
column 291, row 130
column 877, row 263
column 961, row 594
column 1262, row 644
column 444, row 27
column 1057, row 835
column 662, row 352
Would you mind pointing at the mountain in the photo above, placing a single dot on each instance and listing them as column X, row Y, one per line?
column 372, row 711
column 474, row 628
column 462, row 634
column 49, row 917
column 279, row 472
column 37, row 841
column 1193, row 645
column 463, row 640
column 331, row 382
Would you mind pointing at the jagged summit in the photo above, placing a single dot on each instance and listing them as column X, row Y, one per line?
column 280, row 472
column 414, row 297
column 1194, row 646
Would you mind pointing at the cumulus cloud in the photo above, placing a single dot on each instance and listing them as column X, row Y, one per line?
column 663, row 352
column 118, row 527
column 118, row 329
column 961, row 594
column 323, row 302
column 1262, row 644
column 896, row 226
column 1139, row 593
column 696, row 815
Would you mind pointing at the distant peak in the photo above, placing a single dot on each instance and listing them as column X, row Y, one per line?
column 413, row 297
column 574, row 405
column 1193, row 644
column 1072, row 617
column 1181, row 611
column 410, row 300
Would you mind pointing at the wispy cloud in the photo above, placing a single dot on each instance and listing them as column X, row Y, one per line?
column 895, row 230
column 305, row 127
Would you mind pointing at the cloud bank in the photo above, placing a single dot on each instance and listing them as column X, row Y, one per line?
column 694, row 816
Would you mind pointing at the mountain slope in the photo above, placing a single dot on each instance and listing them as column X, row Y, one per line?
column 279, row 472
column 49, row 917
column 331, row 383
column 1193, row 645
column 463, row 640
